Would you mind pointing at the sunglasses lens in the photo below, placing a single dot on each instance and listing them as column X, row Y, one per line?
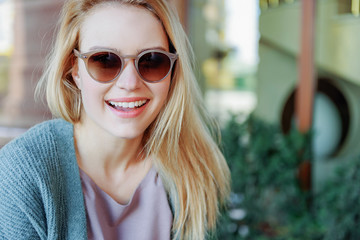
column 104, row 66
column 154, row 66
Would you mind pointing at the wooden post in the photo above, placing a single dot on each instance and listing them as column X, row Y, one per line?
column 307, row 83
column 182, row 9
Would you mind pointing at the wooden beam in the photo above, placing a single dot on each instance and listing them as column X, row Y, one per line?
column 307, row 82
column 304, row 98
column 182, row 9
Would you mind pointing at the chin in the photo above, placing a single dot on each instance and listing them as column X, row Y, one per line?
column 128, row 134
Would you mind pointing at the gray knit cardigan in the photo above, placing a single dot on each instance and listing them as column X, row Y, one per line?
column 40, row 187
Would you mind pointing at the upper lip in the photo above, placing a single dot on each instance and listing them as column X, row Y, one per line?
column 127, row 99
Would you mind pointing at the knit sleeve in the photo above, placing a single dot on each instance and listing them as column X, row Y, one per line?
column 19, row 203
column 24, row 189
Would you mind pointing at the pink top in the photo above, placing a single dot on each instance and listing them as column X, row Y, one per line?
column 146, row 216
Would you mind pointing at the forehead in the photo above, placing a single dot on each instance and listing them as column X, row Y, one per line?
column 122, row 26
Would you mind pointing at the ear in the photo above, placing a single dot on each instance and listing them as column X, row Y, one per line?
column 75, row 74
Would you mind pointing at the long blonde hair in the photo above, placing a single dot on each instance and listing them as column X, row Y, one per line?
column 193, row 169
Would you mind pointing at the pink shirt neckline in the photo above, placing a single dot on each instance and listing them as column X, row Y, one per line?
column 146, row 216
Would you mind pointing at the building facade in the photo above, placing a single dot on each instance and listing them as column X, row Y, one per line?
column 336, row 113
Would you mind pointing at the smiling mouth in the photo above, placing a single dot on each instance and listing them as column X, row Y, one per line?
column 127, row 106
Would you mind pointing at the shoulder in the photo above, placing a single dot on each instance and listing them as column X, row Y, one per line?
column 33, row 161
column 38, row 143
column 41, row 135
column 42, row 131
column 29, row 179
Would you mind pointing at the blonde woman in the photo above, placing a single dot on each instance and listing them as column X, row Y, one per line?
column 131, row 155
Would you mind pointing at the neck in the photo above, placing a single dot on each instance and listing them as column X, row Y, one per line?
column 116, row 165
column 98, row 150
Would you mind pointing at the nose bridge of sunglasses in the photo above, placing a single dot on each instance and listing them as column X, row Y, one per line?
column 129, row 58
column 126, row 60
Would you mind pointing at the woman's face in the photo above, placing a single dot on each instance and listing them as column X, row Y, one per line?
column 110, row 106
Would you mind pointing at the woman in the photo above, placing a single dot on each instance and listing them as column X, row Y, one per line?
column 132, row 156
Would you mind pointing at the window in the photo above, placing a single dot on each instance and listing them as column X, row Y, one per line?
column 265, row 4
column 349, row 7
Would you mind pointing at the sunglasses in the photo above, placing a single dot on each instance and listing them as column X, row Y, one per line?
column 105, row 65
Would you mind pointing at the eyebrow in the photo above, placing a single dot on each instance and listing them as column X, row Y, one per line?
column 137, row 52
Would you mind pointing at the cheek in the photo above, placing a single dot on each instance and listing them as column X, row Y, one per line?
column 92, row 92
column 162, row 91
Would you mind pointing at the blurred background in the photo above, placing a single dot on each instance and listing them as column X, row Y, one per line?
column 283, row 79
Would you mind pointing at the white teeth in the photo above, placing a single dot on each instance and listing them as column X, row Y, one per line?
column 128, row 104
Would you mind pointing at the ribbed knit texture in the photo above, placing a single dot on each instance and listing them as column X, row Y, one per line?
column 40, row 188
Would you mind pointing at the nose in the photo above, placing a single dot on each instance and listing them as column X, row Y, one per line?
column 129, row 78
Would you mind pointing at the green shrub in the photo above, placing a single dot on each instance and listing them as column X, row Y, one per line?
column 266, row 193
